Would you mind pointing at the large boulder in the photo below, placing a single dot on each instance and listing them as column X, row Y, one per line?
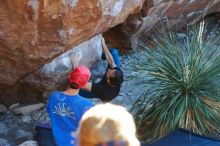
column 53, row 75
column 180, row 13
column 33, row 32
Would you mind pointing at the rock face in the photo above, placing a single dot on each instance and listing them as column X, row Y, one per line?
column 179, row 12
column 29, row 143
column 53, row 75
column 40, row 39
column 33, row 32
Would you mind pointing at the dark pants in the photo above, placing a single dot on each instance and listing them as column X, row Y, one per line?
column 44, row 137
column 115, row 56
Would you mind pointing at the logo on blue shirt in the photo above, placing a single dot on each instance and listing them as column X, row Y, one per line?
column 64, row 111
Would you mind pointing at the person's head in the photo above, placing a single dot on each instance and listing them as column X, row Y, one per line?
column 114, row 77
column 79, row 77
column 106, row 123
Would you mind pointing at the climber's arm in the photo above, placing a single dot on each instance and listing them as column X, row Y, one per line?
column 108, row 55
column 88, row 87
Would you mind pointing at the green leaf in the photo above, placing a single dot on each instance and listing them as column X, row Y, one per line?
column 184, row 85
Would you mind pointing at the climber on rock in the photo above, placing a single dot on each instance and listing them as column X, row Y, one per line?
column 109, row 87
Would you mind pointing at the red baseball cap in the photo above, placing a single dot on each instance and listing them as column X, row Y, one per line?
column 79, row 76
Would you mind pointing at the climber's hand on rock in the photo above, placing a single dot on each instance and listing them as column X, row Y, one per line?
column 75, row 60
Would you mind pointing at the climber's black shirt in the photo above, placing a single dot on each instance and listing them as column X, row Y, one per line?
column 104, row 91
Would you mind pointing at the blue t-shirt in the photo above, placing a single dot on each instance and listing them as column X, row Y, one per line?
column 65, row 112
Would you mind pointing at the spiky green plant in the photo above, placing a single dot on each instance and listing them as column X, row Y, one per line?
column 184, row 87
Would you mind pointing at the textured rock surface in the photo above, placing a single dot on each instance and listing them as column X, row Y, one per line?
column 27, row 109
column 178, row 12
column 3, row 109
column 29, row 143
column 4, row 142
column 15, row 130
column 53, row 75
column 33, row 32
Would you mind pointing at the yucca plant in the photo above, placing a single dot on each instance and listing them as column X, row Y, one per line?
column 184, row 86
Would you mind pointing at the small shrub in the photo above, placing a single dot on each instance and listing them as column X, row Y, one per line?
column 184, row 87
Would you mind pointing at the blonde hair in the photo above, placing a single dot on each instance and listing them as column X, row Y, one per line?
column 107, row 122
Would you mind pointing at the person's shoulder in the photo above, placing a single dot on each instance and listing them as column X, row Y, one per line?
column 54, row 94
column 85, row 100
column 85, row 103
